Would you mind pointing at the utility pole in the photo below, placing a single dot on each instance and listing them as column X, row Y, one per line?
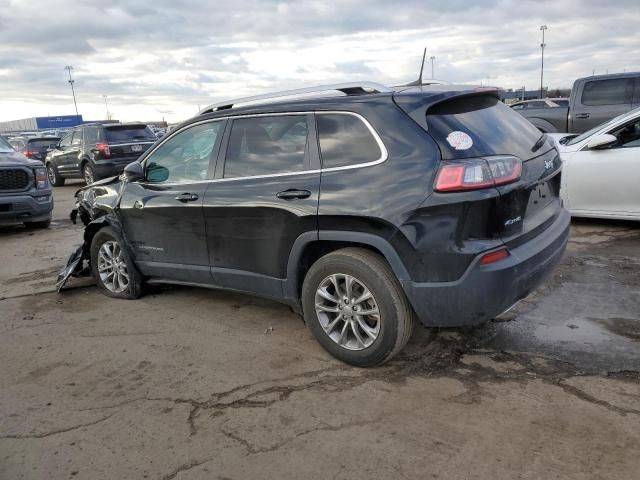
column 106, row 106
column 542, row 45
column 432, row 60
column 68, row 68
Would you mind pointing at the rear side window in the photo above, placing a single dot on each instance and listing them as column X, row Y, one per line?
column 467, row 127
column 128, row 133
column 90, row 135
column 266, row 146
column 605, row 92
column 345, row 140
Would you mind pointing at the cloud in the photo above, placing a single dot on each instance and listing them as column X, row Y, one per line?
column 160, row 56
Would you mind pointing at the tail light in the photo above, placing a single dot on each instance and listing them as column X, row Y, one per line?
column 477, row 173
column 103, row 148
column 30, row 153
column 493, row 257
column 41, row 178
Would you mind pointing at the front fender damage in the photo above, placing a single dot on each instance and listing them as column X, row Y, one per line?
column 97, row 207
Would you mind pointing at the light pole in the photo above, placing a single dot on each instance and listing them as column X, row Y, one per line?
column 542, row 45
column 433, row 58
column 68, row 68
column 106, row 106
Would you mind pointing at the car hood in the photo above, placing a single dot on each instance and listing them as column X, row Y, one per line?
column 9, row 159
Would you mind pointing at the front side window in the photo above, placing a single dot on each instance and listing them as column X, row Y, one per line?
column 266, row 146
column 605, row 92
column 185, row 156
column 628, row 135
column 345, row 140
column 66, row 140
column 77, row 137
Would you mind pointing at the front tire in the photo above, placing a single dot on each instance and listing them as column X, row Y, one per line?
column 355, row 307
column 112, row 267
column 54, row 177
column 41, row 224
column 88, row 174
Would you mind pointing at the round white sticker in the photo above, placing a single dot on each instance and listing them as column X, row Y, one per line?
column 460, row 140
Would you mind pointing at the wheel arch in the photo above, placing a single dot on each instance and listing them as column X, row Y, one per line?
column 310, row 246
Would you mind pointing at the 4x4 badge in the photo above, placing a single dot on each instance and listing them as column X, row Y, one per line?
column 548, row 164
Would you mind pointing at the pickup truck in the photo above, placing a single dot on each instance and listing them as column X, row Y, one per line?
column 594, row 100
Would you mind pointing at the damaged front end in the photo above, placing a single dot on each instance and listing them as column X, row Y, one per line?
column 96, row 205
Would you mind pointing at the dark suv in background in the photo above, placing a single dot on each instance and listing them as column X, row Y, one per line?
column 362, row 211
column 96, row 151
column 37, row 147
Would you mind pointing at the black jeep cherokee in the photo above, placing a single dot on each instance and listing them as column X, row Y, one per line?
column 363, row 211
column 95, row 151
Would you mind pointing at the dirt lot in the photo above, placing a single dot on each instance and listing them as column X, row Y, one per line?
column 198, row 384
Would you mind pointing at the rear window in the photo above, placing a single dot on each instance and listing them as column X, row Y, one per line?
column 345, row 140
column 466, row 127
column 605, row 92
column 127, row 133
column 43, row 142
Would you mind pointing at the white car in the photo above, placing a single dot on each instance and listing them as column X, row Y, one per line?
column 601, row 169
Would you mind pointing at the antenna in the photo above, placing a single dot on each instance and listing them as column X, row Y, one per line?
column 418, row 82
column 424, row 55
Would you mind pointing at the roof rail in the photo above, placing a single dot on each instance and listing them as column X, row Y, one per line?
column 353, row 88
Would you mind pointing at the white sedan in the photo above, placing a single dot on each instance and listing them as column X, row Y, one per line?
column 601, row 169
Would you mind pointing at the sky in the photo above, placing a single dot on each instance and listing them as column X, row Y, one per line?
column 166, row 58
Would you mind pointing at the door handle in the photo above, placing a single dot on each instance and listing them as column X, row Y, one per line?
column 293, row 193
column 583, row 115
column 187, row 197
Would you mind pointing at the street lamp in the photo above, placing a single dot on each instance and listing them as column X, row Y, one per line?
column 542, row 45
column 106, row 106
column 68, row 68
column 432, row 60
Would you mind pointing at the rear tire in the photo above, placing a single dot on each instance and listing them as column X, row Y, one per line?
column 54, row 177
column 342, row 327
column 112, row 267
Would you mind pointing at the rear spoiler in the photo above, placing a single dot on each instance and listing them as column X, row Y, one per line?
column 417, row 101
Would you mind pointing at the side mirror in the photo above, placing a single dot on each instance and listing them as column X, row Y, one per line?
column 53, row 146
column 134, row 171
column 601, row 141
column 157, row 173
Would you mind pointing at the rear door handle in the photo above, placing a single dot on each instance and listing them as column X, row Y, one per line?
column 583, row 115
column 293, row 193
column 187, row 197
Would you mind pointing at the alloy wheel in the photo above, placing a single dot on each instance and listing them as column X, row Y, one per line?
column 52, row 175
column 112, row 267
column 347, row 311
column 87, row 174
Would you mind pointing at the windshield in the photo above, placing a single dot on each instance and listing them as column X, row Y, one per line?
column 4, row 146
column 588, row 133
column 126, row 133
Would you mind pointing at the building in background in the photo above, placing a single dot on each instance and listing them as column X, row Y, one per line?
column 41, row 123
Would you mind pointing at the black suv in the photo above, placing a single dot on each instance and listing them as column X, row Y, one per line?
column 96, row 151
column 362, row 211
